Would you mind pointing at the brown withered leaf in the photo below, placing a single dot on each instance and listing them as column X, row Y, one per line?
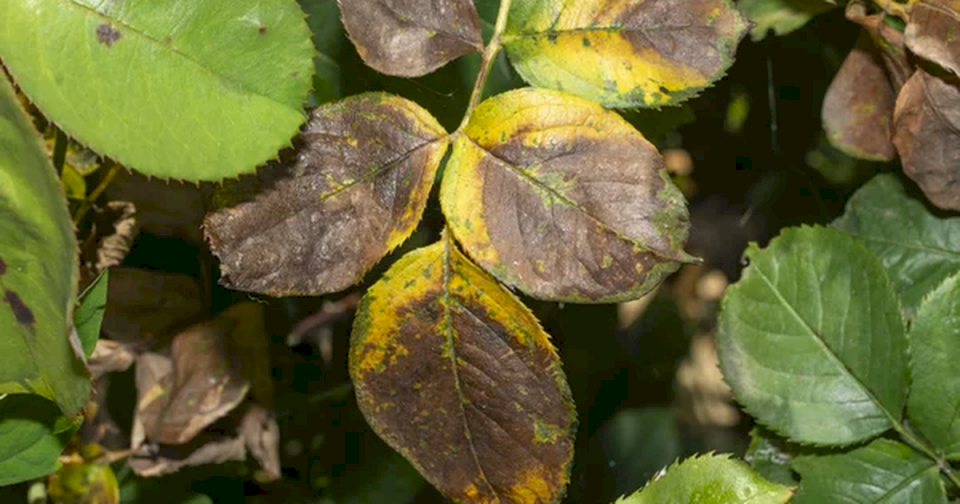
column 261, row 434
column 932, row 32
column 927, row 136
column 453, row 372
column 150, row 460
column 356, row 190
column 144, row 305
column 886, row 38
column 110, row 356
column 410, row 38
column 858, row 107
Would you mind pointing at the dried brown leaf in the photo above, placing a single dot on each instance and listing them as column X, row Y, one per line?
column 932, row 32
column 143, row 306
column 888, row 39
column 260, row 433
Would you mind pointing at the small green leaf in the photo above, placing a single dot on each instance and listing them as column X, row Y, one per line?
column 186, row 89
column 32, row 436
column 38, row 268
column 883, row 471
column 323, row 17
column 84, row 484
column 709, row 479
column 919, row 247
column 781, row 16
column 89, row 315
column 934, row 352
column 769, row 457
column 811, row 340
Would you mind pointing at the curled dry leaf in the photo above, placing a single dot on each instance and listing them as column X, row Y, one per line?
column 261, row 434
column 927, row 136
column 356, row 190
column 410, row 38
column 109, row 357
column 143, row 305
column 932, row 32
column 152, row 460
column 452, row 371
column 562, row 199
column 886, row 38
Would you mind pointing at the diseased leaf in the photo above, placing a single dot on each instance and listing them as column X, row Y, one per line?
column 932, row 32
column 410, row 38
column 637, row 53
column 919, row 255
column 247, row 62
column 562, row 199
column 32, row 435
column 452, row 371
column 710, row 479
column 927, row 135
column 811, row 340
column 38, row 267
column 883, row 471
column 769, row 457
column 89, row 315
column 356, row 190
column 934, row 351
column 858, row 107
column 781, row 16
column 886, row 38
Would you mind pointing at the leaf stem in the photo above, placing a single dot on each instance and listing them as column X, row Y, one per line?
column 113, row 169
column 489, row 57
column 59, row 150
column 918, row 444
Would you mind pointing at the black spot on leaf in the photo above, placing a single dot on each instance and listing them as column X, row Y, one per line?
column 107, row 35
column 20, row 311
column 262, row 29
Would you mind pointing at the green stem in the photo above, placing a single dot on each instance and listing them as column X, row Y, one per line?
column 113, row 169
column 489, row 57
column 59, row 150
column 918, row 444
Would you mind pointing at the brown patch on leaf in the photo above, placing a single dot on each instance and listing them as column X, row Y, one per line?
column 107, row 35
column 410, row 38
column 933, row 32
column 927, row 136
column 3, row 267
column 21, row 312
column 886, row 38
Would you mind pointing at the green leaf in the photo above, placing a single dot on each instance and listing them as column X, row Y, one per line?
column 323, row 17
column 38, row 268
column 84, row 484
column 89, row 315
column 781, row 16
column 624, row 54
column 934, row 352
column 453, row 372
column 883, row 471
column 811, row 340
column 769, row 457
column 710, row 479
column 186, row 89
column 32, row 436
column 637, row 443
column 919, row 247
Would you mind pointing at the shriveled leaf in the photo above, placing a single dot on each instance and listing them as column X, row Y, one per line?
column 110, row 356
column 919, row 255
column 781, row 16
column 927, row 135
column 934, row 351
column 248, row 65
column 769, row 456
column 32, row 435
column 710, row 479
column 883, row 471
column 562, row 199
column 858, row 107
column 410, row 38
column 811, row 340
column 38, row 266
column 452, row 371
column 151, row 462
column 887, row 38
column 356, row 190
column 144, row 305
column 261, row 435
column 89, row 315
column 932, row 32
column 84, row 484
column 635, row 53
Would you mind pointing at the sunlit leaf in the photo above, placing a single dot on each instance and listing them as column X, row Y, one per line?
column 32, row 435
column 811, row 340
column 89, row 315
column 883, row 471
column 410, row 39
column 934, row 351
column 84, row 484
column 781, row 16
column 932, row 32
column 927, row 135
column 452, row 371
column 562, row 199
column 38, row 267
column 194, row 90
column 710, row 479
column 624, row 54
column 918, row 255
column 355, row 191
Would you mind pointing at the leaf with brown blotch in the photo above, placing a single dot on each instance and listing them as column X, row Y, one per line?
column 886, row 38
column 927, row 136
column 457, row 375
column 355, row 191
column 410, row 38
column 858, row 107
column 563, row 199
column 932, row 32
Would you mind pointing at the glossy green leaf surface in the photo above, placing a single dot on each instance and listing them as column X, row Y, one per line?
column 710, row 479
column 193, row 90
column 38, row 268
column 919, row 247
column 811, row 341
column 89, row 315
column 32, row 435
column 934, row 352
column 883, row 471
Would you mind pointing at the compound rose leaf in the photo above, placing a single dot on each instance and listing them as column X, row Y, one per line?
column 355, row 190
column 453, row 372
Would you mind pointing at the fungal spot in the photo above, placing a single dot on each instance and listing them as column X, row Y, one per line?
column 106, row 35
column 262, row 29
column 168, row 40
column 664, row 90
column 20, row 311
column 3, row 267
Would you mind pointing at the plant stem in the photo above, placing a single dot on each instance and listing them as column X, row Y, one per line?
column 919, row 445
column 112, row 169
column 489, row 57
column 59, row 150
